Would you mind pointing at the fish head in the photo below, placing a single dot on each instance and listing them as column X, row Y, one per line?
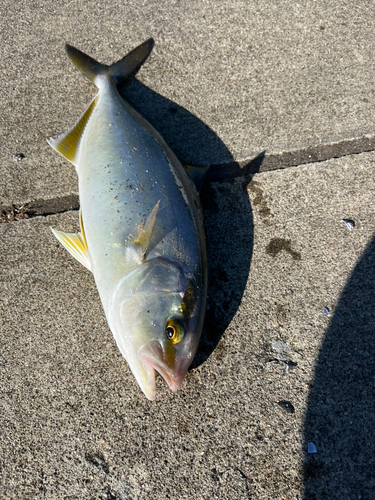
column 157, row 322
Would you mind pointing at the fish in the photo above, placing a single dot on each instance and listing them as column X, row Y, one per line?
column 141, row 226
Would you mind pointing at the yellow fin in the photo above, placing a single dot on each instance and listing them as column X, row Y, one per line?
column 76, row 244
column 67, row 144
column 144, row 238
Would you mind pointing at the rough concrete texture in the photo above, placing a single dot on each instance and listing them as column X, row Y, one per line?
column 287, row 354
column 227, row 80
column 273, row 371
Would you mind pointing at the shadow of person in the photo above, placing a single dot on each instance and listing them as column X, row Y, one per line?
column 340, row 417
column 227, row 211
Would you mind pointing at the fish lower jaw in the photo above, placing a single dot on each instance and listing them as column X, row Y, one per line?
column 151, row 357
column 152, row 366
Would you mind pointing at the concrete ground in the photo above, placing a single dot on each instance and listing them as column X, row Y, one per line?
column 278, row 98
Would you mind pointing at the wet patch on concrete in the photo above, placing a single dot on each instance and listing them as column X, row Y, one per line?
column 276, row 245
column 258, row 201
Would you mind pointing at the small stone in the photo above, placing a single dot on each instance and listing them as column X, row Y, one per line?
column 286, row 406
column 18, row 157
column 326, row 310
column 311, row 448
column 281, row 350
column 349, row 223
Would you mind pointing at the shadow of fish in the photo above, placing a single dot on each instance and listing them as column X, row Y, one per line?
column 142, row 232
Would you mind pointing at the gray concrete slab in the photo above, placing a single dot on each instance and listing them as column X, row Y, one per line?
column 273, row 371
column 225, row 81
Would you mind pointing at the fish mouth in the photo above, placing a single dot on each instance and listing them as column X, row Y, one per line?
column 151, row 355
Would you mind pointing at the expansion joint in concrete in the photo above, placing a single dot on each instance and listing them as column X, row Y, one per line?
column 217, row 173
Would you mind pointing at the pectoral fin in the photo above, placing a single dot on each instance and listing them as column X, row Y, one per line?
column 145, row 233
column 76, row 244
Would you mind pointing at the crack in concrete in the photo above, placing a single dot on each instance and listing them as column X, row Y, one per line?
column 226, row 171
column 313, row 154
column 38, row 208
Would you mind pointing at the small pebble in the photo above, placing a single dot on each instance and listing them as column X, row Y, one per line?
column 286, row 406
column 18, row 157
column 311, row 448
column 292, row 364
column 326, row 310
column 349, row 223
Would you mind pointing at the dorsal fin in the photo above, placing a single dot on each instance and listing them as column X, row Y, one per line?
column 76, row 244
column 67, row 143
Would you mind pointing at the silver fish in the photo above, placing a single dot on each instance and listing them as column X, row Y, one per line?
column 142, row 230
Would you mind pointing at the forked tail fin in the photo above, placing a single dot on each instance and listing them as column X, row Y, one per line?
column 67, row 144
column 118, row 71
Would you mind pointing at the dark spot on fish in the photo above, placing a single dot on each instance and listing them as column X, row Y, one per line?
column 286, row 406
column 258, row 201
column 276, row 245
column 172, row 110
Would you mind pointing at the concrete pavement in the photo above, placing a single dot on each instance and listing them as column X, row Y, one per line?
column 287, row 352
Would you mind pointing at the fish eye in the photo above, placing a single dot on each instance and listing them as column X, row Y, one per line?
column 174, row 330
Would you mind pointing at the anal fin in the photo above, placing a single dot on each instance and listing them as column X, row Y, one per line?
column 76, row 244
column 196, row 174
